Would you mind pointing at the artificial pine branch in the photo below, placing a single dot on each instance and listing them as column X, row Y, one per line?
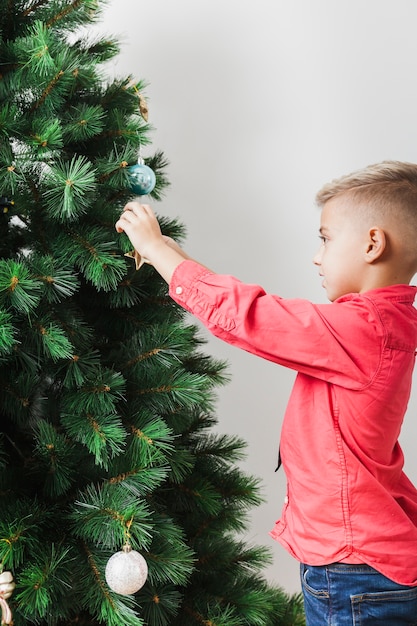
column 34, row 7
column 69, row 8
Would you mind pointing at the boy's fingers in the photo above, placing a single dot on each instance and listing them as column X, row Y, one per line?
column 148, row 209
column 126, row 216
column 122, row 222
column 131, row 211
column 130, row 206
column 137, row 208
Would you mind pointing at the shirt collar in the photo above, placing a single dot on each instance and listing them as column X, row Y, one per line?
column 403, row 293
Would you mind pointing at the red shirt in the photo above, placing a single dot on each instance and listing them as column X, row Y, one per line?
column 348, row 497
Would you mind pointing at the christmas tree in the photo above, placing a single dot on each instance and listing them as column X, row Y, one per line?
column 106, row 399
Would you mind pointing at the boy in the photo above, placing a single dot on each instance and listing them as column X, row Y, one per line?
column 350, row 515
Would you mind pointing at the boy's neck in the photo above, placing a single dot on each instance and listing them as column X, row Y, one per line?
column 386, row 277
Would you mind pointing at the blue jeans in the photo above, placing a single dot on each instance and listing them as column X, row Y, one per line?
column 355, row 595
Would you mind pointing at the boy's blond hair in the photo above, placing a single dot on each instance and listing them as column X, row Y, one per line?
column 391, row 183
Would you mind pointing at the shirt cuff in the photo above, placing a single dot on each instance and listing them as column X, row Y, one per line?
column 183, row 280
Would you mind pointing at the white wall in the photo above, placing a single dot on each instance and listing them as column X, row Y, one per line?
column 257, row 104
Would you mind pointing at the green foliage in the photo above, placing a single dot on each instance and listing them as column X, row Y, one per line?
column 7, row 333
column 56, row 459
column 44, row 584
column 69, row 187
column 106, row 401
column 18, row 289
column 57, row 280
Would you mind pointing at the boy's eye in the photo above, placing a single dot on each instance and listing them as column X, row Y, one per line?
column 323, row 239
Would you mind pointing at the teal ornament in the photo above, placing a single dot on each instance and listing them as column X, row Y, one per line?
column 141, row 178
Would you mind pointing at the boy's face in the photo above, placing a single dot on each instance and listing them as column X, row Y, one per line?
column 341, row 257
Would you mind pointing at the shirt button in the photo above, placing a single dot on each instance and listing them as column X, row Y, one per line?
column 286, row 500
column 178, row 291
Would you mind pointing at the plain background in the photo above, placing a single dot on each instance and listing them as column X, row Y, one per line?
column 256, row 105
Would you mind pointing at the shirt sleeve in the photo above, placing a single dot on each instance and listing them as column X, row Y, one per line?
column 338, row 342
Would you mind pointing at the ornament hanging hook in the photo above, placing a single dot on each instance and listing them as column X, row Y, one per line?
column 141, row 160
column 127, row 535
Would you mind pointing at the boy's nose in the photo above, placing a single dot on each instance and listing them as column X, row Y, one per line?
column 317, row 258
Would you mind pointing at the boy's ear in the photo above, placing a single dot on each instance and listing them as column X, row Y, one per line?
column 377, row 243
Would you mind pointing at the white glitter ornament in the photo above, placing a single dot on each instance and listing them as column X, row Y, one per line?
column 6, row 589
column 126, row 571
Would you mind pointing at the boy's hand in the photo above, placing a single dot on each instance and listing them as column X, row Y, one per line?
column 139, row 223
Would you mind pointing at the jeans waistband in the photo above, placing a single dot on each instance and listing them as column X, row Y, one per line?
column 347, row 567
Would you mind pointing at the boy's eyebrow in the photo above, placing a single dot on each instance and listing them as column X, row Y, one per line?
column 323, row 229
